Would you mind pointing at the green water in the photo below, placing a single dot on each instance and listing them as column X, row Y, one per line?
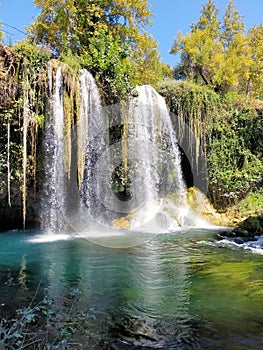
column 174, row 292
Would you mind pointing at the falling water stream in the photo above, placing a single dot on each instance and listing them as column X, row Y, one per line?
column 148, row 155
column 153, row 151
column 53, row 200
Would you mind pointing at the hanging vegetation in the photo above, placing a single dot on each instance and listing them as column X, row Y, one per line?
column 22, row 97
column 229, row 130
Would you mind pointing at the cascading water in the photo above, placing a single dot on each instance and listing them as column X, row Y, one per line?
column 156, row 144
column 91, row 131
column 91, row 141
column 153, row 155
column 111, row 177
column 67, row 199
column 54, row 186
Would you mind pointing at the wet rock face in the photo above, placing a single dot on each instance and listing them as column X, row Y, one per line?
column 170, row 214
column 252, row 226
column 247, row 229
column 121, row 223
column 12, row 217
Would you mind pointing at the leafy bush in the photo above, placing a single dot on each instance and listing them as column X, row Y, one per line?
column 230, row 130
column 108, row 59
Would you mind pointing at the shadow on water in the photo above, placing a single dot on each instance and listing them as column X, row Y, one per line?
column 173, row 292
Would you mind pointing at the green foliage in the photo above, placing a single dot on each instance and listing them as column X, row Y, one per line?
column 147, row 62
column 230, row 130
column 1, row 32
column 200, row 48
column 251, row 226
column 235, row 156
column 219, row 53
column 23, row 77
column 251, row 204
column 66, row 25
column 233, row 24
column 35, row 56
column 194, row 104
column 108, row 59
column 71, row 61
column 255, row 40
column 108, row 37
column 15, row 156
column 189, row 99
column 221, row 56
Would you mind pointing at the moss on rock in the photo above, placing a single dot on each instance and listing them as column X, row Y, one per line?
column 251, row 226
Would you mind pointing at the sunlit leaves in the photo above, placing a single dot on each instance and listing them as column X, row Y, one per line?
column 108, row 59
column 255, row 39
column 220, row 54
column 66, row 23
column 233, row 24
column 74, row 28
column 147, row 61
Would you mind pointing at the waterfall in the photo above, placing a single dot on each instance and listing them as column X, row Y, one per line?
column 109, row 176
column 53, row 197
column 91, row 142
column 156, row 144
column 91, row 122
column 152, row 147
column 67, row 200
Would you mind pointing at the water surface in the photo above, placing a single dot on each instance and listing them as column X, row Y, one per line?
column 176, row 291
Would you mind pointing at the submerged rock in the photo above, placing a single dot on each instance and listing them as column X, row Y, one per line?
column 239, row 240
column 251, row 226
column 247, row 229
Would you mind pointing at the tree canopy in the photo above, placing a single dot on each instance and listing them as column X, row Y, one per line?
column 87, row 28
column 219, row 53
column 1, row 32
column 67, row 24
column 255, row 40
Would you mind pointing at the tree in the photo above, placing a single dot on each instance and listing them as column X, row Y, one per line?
column 67, row 24
column 255, row 39
column 236, row 54
column 107, row 58
column 84, row 29
column 233, row 24
column 148, row 65
column 1, row 32
column 214, row 53
column 200, row 47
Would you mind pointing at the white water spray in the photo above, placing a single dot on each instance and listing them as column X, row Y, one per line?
column 53, row 200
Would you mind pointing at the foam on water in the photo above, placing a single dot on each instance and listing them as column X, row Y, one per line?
column 91, row 233
column 255, row 246
column 49, row 237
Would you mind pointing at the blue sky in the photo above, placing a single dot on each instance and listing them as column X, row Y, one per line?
column 170, row 17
